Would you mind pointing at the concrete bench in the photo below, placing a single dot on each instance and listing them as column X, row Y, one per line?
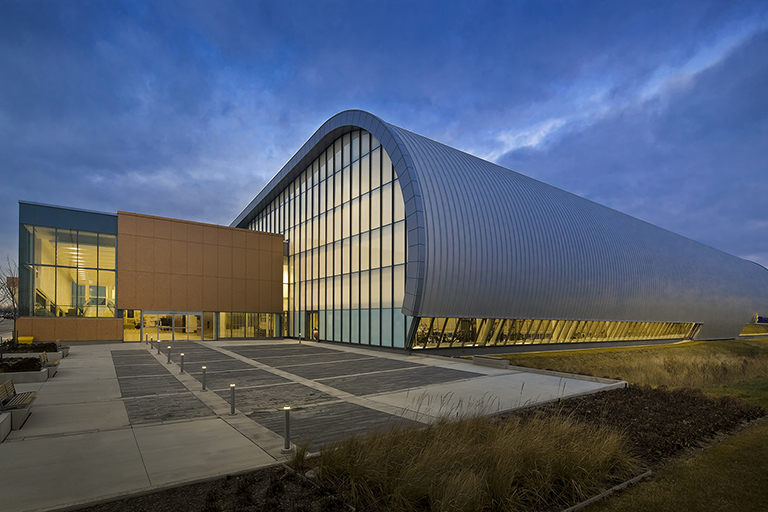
column 493, row 362
column 18, row 404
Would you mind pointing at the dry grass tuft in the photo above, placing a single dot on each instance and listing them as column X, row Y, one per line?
column 689, row 365
column 477, row 464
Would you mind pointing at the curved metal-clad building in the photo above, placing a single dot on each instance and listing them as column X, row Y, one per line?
column 493, row 257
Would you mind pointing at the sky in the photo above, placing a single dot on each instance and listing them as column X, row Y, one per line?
column 187, row 109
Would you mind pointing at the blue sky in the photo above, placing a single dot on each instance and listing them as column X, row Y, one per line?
column 187, row 109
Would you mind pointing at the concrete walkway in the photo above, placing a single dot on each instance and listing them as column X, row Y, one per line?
column 117, row 419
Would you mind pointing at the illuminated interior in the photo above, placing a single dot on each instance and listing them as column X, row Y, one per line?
column 70, row 272
column 464, row 332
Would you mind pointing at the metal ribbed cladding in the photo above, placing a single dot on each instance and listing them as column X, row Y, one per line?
column 501, row 245
column 487, row 242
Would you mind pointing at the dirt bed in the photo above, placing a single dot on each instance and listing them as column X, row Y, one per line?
column 660, row 425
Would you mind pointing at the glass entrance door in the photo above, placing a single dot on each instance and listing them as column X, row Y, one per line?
column 172, row 326
column 313, row 322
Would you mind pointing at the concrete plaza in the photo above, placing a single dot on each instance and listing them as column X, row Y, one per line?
column 118, row 419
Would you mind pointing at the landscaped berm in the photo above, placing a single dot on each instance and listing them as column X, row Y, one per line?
column 691, row 415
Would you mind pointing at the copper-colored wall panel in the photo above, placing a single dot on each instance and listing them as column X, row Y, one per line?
column 224, row 261
column 224, row 237
column 109, row 329
column 195, row 233
column 238, row 263
column 179, row 256
column 179, row 230
column 24, row 326
column 225, row 294
column 145, row 253
column 162, row 256
column 210, row 235
column 194, row 293
column 210, row 260
column 66, row 329
column 145, row 294
column 162, row 229
column 239, row 239
column 253, row 241
column 126, row 289
column 210, row 294
column 275, row 264
column 162, row 290
column 252, row 295
column 178, row 297
column 126, row 253
column 238, row 295
column 275, row 297
column 194, row 259
column 126, row 224
column 188, row 266
column 144, row 225
column 252, row 264
column 44, row 329
column 87, row 329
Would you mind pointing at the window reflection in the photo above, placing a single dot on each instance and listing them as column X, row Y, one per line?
column 453, row 332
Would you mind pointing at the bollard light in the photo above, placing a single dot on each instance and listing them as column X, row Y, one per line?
column 182, row 362
column 203, row 378
column 169, row 354
column 158, row 347
column 232, row 387
column 287, row 431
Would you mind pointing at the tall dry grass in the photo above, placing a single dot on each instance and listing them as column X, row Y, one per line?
column 477, row 464
column 695, row 365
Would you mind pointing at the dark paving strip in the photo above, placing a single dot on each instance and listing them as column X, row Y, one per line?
column 179, row 406
column 274, row 397
column 214, row 366
column 362, row 385
column 136, row 370
column 200, row 359
column 257, row 352
column 295, row 360
column 130, row 353
column 328, row 422
column 241, row 378
column 322, row 371
column 156, row 385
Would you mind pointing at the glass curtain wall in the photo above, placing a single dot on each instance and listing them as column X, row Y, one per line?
column 463, row 332
column 67, row 272
column 344, row 221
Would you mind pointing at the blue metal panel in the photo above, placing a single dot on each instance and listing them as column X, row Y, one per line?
column 487, row 242
column 66, row 218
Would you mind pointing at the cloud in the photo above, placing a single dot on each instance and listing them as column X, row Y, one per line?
column 690, row 159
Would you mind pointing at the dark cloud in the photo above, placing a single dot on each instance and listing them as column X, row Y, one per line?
column 693, row 160
column 187, row 108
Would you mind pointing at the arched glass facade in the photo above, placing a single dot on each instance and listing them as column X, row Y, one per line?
column 343, row 219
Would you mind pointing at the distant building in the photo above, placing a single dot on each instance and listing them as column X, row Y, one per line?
column 374, row 235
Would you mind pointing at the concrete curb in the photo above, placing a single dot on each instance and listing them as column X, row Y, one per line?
column 607, row 493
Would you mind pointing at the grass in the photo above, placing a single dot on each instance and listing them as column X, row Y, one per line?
column 477, row 464
column 697, row 364
column 729, row 476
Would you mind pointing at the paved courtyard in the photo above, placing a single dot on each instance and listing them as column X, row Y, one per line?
column 119, row 419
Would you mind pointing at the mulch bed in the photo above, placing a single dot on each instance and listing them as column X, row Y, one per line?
column 31, row 347
column 273, row 489
column 20, row 364
column 660, row 424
